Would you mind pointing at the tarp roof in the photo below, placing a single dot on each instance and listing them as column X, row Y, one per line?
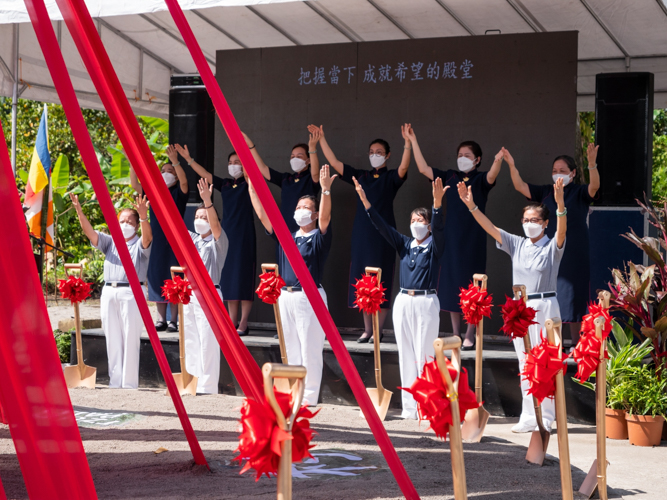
column 146, row 48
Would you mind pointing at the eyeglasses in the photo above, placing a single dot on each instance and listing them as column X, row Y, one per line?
column 533, row 221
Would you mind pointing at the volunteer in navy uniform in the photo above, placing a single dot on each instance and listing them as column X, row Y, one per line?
column 535, row 262
column 465, row 252
column 302, row 180
column 304, row 336
column 202, row 351
column 381, row 186
column 238, row 276
column 416, row 311
column 121, row 320
column 162, row 256
column 575, row 274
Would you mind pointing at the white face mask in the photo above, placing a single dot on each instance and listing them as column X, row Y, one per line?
column 566, row 178
column 419, row 230
column 297, row 164
column 303, row 217
column 465, row 164
column 202, row 226
column 128, row 229
column 169, row 178
column 235, row 170
column 377, row 160
column 532, row 229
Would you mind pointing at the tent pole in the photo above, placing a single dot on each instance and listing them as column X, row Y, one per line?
column 15, row 93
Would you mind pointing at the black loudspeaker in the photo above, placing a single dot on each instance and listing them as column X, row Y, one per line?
column 192, row 122
column 624, row 132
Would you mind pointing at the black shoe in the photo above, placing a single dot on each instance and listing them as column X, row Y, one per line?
column 467, row 347
column 275, row 336
column 363, row 340
column 172, row 327
column 243, row 333
column 160, row 326
column 372, row 341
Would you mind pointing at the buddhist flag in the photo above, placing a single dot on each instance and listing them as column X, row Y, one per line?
column 38, row 179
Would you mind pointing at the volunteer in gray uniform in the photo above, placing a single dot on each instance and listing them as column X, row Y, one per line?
column 202, row 351
column 535, row 263
column 121, row 320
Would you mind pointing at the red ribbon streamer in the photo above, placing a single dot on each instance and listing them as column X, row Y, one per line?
column 369, row 294
column 86, row 37
column 74, row 289
column 47, row 39
column 270, row 286
column 587, row 355
column 261, row 436
column 475, row 304
column 517, row 317
column 588, row 321
column 33, row 393
column 177, row 291
column 430, row 392
column 542, row 364
column 291, row 251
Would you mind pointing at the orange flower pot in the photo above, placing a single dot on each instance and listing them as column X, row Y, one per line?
column 615, row 423
column 644, row 430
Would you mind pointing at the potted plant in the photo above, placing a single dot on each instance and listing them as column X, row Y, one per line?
column 644, row 395
column 623, row 354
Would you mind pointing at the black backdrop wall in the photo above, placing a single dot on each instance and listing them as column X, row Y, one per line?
column 517, row 91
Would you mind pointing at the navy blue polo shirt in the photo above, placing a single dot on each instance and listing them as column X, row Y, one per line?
column 314, row 248
column 419, row 264
column 294, row 186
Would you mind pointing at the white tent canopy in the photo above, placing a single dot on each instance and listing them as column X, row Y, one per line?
column 146, row 48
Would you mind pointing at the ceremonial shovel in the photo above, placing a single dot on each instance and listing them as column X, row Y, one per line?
column 185, row 382
column 476, row 419
column 379, row 396
column 553, row 328
column 80, row 375
column 455, row 442
column 272, row 371
column 596, row 479
column 539, row 440
column 281, row 384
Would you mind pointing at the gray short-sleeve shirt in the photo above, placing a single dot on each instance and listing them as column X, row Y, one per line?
column 533, row 264
column 113, row 267
column 213, row 253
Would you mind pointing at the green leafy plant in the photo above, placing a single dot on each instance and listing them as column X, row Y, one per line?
column 643, row 391
column 64, row 344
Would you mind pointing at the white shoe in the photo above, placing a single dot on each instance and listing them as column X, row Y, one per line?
column 524, row 426
column 547, row 425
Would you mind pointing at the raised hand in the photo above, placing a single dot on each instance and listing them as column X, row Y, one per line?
column 172, row 153
column 465, row 193
column 438, row 192
column 559, row 193
column 205, row 191
column 313, row 138
column 592, row 153
column 75, row 202
column 183, row 151
column 406, row 128
column 508, row 157
column 315, row 129
column 500, row 155
column 326, row 180
column 361, row 193
column 141, row 205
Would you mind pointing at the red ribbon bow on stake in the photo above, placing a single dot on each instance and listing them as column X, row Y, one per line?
column 177, row 291
column 542, row 364
column 369, row 294
column 517, row 317
column 430, row 392
column 261, row 436
column 270, row 286
column 587, row 324
column 587, row 355
column 475, row 304
column 74, row 289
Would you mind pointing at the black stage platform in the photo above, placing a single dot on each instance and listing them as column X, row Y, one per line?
column 502, row 396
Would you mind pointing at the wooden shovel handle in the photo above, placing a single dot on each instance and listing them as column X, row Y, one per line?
column 604, row 297
column 477, row 278
column 74, row 266
column 276, row 370
column 176, row 269
column 520, row 292
column 270, row 267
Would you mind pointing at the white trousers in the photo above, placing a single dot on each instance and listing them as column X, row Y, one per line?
column 416, row 324
column 545, row 309
column 304, row 339
column 202, row 351
column 121, row 322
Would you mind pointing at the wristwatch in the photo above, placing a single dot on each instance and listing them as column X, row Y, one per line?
column 326, row 193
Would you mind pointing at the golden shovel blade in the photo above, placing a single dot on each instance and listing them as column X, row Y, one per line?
column 185, row 384
column 473, row 427
column 537, row 449
column 73, row 376
column 381, row 406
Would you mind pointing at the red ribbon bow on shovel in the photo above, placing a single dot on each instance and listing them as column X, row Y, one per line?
column 475, row 304
column 542, row 364
column 587, row 324
column 261, row 436
column 587, row 355
column 177, row 291
column 517, row 317
column 270, row 286
column 74, row 289
column 430, row 392
column 369, row 294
